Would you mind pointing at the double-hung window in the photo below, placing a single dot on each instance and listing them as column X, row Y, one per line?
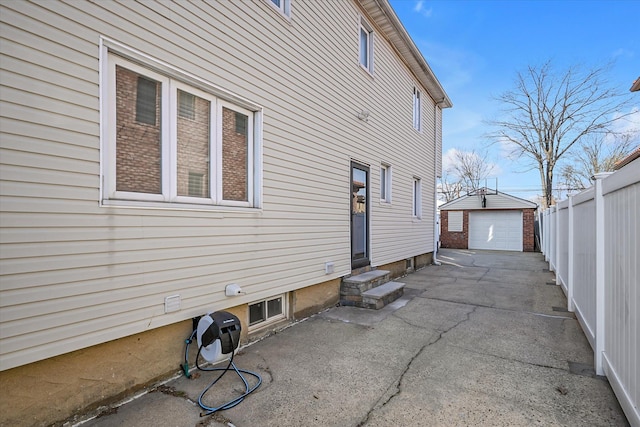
column 171, row 142
column 417, row 198
column 417, row 109
column 366, row 45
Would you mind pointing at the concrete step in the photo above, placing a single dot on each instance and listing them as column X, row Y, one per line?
column 382, row 295
column 356, row 285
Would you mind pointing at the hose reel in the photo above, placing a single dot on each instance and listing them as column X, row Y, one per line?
column 218, row 336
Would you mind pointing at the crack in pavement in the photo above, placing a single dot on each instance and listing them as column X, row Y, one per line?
column 512, row 310
column 511, row 359
column 398, row 384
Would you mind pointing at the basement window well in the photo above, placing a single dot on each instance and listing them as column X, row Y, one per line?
column 267, row 311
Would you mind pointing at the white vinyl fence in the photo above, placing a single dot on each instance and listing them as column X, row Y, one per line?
column 592, row 243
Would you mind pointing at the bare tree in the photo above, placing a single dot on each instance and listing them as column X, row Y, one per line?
column 548, row 112
column 464, row 172
column 450, row 189
column 594, row 155
column 470, row 167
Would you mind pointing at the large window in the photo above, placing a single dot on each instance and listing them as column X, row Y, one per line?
column 366, row 45
column 167, row 141
column 417, row 198
column 417, row 109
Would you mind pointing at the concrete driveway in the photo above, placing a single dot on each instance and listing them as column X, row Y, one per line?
column 483, row 339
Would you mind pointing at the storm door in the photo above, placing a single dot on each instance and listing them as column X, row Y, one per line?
column 359, row 215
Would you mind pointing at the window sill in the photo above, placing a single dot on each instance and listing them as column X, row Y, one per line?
column 365, row 69
column 269, row 323
column 134, row 204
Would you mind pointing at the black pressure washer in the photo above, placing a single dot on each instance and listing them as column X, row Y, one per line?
column 217, row 335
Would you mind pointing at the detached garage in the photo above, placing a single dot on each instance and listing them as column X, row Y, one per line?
column 490, row 220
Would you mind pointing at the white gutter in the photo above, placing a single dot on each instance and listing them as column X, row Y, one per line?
column 436, row 234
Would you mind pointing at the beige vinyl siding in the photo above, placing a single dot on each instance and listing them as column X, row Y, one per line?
column 75, row 274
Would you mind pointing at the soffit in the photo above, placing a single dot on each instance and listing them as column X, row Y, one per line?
column 384, row 17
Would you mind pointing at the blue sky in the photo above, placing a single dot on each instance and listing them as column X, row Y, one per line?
column 476, row 47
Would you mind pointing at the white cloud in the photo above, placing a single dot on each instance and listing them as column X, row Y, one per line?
column 622, row 52
column 455, row 68
column 419, row 8
column 628, row 124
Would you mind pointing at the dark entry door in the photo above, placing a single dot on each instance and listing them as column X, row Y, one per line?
column 359, row 215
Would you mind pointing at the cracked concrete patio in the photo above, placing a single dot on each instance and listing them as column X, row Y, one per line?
column 479, row 340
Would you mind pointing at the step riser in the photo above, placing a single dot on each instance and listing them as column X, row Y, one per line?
column 378, row 303
column 360, row 290
column 351, row 288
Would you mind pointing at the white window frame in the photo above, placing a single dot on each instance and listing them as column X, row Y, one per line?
column 168, row 116
column 417, row 198
column 417, row 109
column 284, row 7
column 269, row 320
column 385, row 183
column 368, row 29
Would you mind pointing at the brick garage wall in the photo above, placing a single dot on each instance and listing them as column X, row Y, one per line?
column 454, row 239
column 528, row 216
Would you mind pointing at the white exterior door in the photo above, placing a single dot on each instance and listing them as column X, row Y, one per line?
column 495, row 230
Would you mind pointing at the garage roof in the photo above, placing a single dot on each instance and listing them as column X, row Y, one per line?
column 494, row 201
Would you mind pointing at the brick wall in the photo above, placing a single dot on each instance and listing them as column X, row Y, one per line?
column 528, row 216
column 193, row 149
column 454, row 239
column 234, row 158
column 138, row 148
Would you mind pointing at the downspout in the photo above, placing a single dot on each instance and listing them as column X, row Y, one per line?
column 435, row 182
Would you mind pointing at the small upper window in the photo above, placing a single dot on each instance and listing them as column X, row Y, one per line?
column 186, row 105
column 284, row 6
column 417, row 198
column 366, row 45
column 146, row 101
column 385, row 183
column 417, row 109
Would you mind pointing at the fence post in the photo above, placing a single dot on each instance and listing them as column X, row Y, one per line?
column 570, row 252
column 545, row 235
column 600, row 277
column 556, row 242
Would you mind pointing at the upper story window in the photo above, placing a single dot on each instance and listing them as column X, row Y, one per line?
column 166, row 141
column 385, row 183
column 284, row 6
column 417, row 109
column 366, row 45
column 417, row 198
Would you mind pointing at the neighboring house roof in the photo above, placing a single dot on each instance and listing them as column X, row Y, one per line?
column 386, row 19
column 630, row 158
column 494, row 201
column 636, row 85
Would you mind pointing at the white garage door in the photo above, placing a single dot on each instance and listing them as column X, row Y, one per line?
column 495, row 230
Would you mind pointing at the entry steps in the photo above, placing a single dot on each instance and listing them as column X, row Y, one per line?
column 371, row 289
